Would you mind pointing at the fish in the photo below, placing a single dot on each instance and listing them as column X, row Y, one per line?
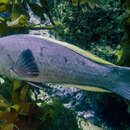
column 39, row 59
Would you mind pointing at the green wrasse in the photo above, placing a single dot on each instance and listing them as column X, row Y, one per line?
column 45, row 60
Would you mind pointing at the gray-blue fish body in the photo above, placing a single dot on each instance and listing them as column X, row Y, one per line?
column 32, row 58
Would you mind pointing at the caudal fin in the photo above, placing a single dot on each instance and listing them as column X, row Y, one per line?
column 122, row 86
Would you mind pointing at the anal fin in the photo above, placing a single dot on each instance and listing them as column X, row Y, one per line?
column 83, row 87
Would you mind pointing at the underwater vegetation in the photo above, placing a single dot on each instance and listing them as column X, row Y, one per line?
column 100, row 26
column 19, row 111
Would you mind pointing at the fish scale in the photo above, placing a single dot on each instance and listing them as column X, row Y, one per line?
column 44, row 60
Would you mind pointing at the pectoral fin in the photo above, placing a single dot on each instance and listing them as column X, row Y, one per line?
column 26, row 65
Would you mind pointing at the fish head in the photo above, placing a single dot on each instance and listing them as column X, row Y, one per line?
column 6, row 60
column 16, row 62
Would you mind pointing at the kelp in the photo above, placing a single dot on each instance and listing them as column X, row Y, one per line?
column 89, row 28
column 124, row 55
column 91, row 3
column 19, row 16
column 15, row 106
column 19, row 111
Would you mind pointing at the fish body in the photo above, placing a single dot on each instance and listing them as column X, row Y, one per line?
column 40, row 59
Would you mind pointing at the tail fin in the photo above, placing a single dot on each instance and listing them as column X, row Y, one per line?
column 122, row 86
